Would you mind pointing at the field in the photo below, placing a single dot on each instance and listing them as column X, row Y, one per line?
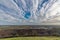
column 32, row 38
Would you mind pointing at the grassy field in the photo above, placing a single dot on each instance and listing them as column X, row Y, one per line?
column 32, row 38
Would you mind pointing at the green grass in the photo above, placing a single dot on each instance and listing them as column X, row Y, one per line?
column 32, row 38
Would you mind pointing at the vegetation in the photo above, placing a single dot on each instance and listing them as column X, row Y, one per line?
column 32, row 38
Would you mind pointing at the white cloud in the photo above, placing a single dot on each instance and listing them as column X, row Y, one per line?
column 14, row 13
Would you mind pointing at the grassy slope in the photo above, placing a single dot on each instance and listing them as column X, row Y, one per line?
column 32, row 38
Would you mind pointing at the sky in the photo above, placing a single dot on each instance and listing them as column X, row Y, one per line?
column 29, row 12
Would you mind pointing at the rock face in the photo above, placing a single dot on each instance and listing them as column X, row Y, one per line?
column 26, row 12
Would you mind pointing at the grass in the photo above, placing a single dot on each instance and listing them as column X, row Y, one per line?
column 32, row 38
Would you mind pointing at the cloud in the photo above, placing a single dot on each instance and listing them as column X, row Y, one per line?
column 28, row 11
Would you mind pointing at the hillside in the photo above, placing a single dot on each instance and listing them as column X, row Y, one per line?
column 13, row 31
